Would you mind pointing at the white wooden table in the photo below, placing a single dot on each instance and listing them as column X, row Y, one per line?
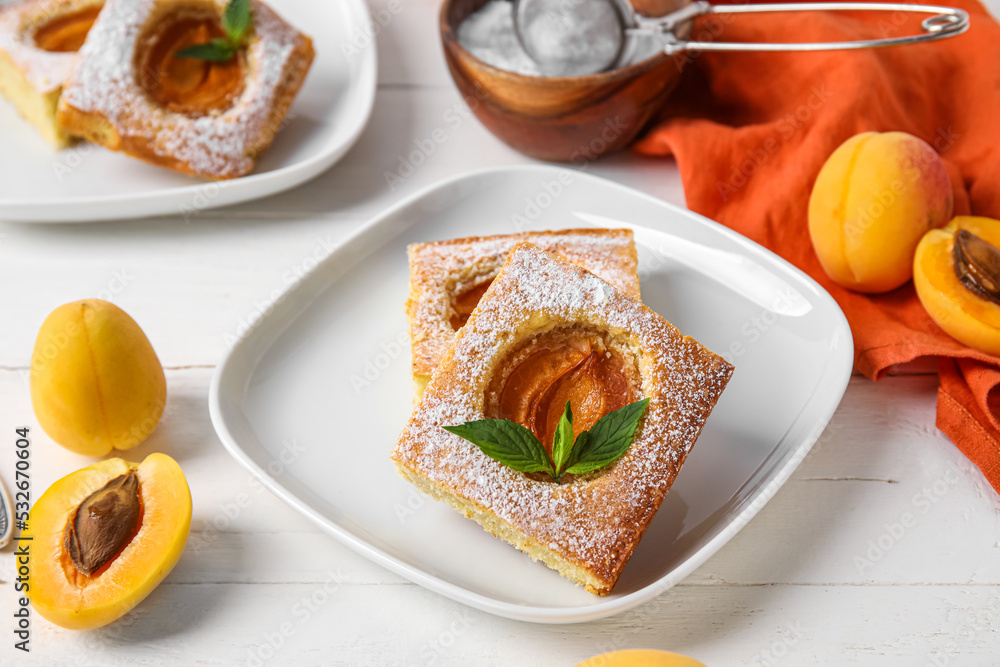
column 825, row 574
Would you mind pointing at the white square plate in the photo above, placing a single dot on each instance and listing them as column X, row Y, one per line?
column 85, row 183
column 328, row 365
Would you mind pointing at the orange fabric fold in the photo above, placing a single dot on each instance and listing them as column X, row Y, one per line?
column 750, row 131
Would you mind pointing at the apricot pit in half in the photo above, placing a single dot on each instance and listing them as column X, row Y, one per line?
column 104, row 537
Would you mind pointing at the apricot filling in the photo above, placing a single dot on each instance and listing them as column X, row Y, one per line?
column 465, row 302
column 189, row 85
column 534, row 383
column 104, row 524
column 66, row 34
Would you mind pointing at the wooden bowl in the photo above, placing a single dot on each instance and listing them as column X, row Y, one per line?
column 561, row 119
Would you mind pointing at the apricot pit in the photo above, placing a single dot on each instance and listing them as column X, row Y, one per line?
column 105, row 537
column 977, row 265
column 104, row 524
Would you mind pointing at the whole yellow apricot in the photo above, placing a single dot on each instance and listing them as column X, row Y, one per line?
column 967, row 313
column 873, row 200
column 640, row 658
column 96, row 383
column 104, row 537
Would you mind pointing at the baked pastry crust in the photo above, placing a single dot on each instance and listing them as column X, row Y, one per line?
column 105, row 102
column 31, row 77
column 587, row 528
column 440, row 270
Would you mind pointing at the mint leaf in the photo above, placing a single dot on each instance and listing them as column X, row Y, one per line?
column 562, row 441
column 607, row 440
column 507, row 442
column 236, row 21
column 578, row 446
column 218, row 50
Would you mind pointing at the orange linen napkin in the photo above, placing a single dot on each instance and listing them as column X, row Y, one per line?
column 750, row 132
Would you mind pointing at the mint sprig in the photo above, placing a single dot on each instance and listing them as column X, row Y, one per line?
column 235, row 23
column 517, row 447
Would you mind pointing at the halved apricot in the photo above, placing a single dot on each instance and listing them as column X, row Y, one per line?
column 104, row 537
column 949, row 295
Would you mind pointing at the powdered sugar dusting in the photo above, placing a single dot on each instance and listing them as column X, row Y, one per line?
column 219, row 144
column 440, row 270
column 45, row 70
column 596, row 520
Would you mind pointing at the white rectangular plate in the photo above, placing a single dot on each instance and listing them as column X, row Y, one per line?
column 328, row 366
column 87, row 183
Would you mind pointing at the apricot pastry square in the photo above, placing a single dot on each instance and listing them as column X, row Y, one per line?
column 545, row 332
column 39, row 40
column 447, row 278
column 130, row 93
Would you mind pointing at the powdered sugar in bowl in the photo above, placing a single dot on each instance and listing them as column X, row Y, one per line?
column 563, row 119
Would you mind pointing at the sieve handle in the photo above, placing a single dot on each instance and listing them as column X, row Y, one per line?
column 944, row 22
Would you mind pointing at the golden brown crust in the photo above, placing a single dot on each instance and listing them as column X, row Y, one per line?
column 294, row 76
column 587, row 528
column 441, row 269
column 108, row 106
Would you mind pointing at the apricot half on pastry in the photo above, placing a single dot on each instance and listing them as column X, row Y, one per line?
column 640, row 658
column 96, row 382
column 956, row 272
column 190, row 85
column 534, row 383
column 38, row 44
column 66, row 33
column 873, row 200
column 104, row 537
